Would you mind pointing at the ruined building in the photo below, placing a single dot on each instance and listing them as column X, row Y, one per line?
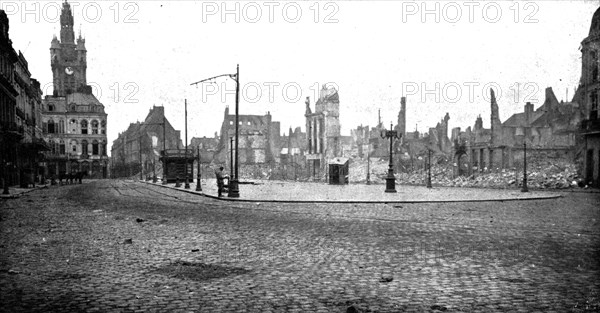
column 141, row 144
column 550, row 132
column 74, row 121
column 293, row 147
column 258, row 135
column 587, row 95
column 323, row 131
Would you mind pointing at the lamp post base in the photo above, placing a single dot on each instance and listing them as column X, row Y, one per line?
column 187, row 184
column 390, row 182
column 234, row 191
column 524, row 188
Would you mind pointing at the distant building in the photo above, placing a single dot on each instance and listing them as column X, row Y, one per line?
column 258, row 136
column 550, row 132
column 141, row 145
column 588, row 95
column 208, row 147
column 323, row 131
column 21, row 141
column 73, row 120
column 293, row 147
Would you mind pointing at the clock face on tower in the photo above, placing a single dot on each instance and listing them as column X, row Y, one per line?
column 69, row 70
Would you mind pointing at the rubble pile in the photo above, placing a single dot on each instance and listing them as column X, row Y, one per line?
column 542, row 175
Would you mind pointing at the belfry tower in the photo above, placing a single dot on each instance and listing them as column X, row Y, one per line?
column 67, row 58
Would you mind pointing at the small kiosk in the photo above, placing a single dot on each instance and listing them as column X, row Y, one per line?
column 174, row 161
column 338, row 171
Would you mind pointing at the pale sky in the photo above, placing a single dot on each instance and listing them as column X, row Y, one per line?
column 148, row 53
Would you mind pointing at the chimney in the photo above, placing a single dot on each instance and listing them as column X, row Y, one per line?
column 528, row 111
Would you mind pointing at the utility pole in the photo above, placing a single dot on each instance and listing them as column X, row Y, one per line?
column 187, row 182
column 234, row 191
column 164, row 153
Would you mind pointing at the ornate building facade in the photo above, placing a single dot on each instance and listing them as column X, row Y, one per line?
column 74, row 122
column 588, row 95
column 20, row 123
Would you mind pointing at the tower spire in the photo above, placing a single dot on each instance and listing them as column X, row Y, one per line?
column 66, row 24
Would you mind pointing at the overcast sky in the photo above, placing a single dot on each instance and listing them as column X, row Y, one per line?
column 148, row 53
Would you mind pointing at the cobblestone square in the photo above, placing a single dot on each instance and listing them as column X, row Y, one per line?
column 125, row 246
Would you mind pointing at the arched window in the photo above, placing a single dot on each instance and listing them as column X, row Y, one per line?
column 53, row 147
column 95, row 127
column 61, row 126
column 103, row 127
column 74, row 146
column 84, row 147
column 95, row 147
column 51, row 107
column 84, row 127
column 103, row 147
column 51, row 128
column 62, row 147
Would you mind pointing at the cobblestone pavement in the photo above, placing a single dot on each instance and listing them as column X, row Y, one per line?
column 310, row 191
column 123, row 246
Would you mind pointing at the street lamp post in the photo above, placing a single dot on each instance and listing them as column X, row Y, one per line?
column 368, row 163
column 524, row 188
column 199, row 174
column 234, row 191
column 390, row 179
column 231, row 156
column 428, row 168
column 187, row 182
column 141, row 164
column 164, row 178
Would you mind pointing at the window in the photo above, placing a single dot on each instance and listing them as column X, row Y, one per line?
column 61, row 126
column 95, row 147
column 74, row 146
column 103, row 127
column 84, row 147
column 84, row 127
column 94, row 127
column 594, row 64
column 50, row 107
column 73, row 108
column 103, row 147
column 62, row 148
column 230, row 122
column 51, row 128
column 249, row 123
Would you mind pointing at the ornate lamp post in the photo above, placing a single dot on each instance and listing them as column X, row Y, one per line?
column 234, row 191
column 390, row 180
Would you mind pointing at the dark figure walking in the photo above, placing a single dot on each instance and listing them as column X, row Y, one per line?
column 220, row 180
